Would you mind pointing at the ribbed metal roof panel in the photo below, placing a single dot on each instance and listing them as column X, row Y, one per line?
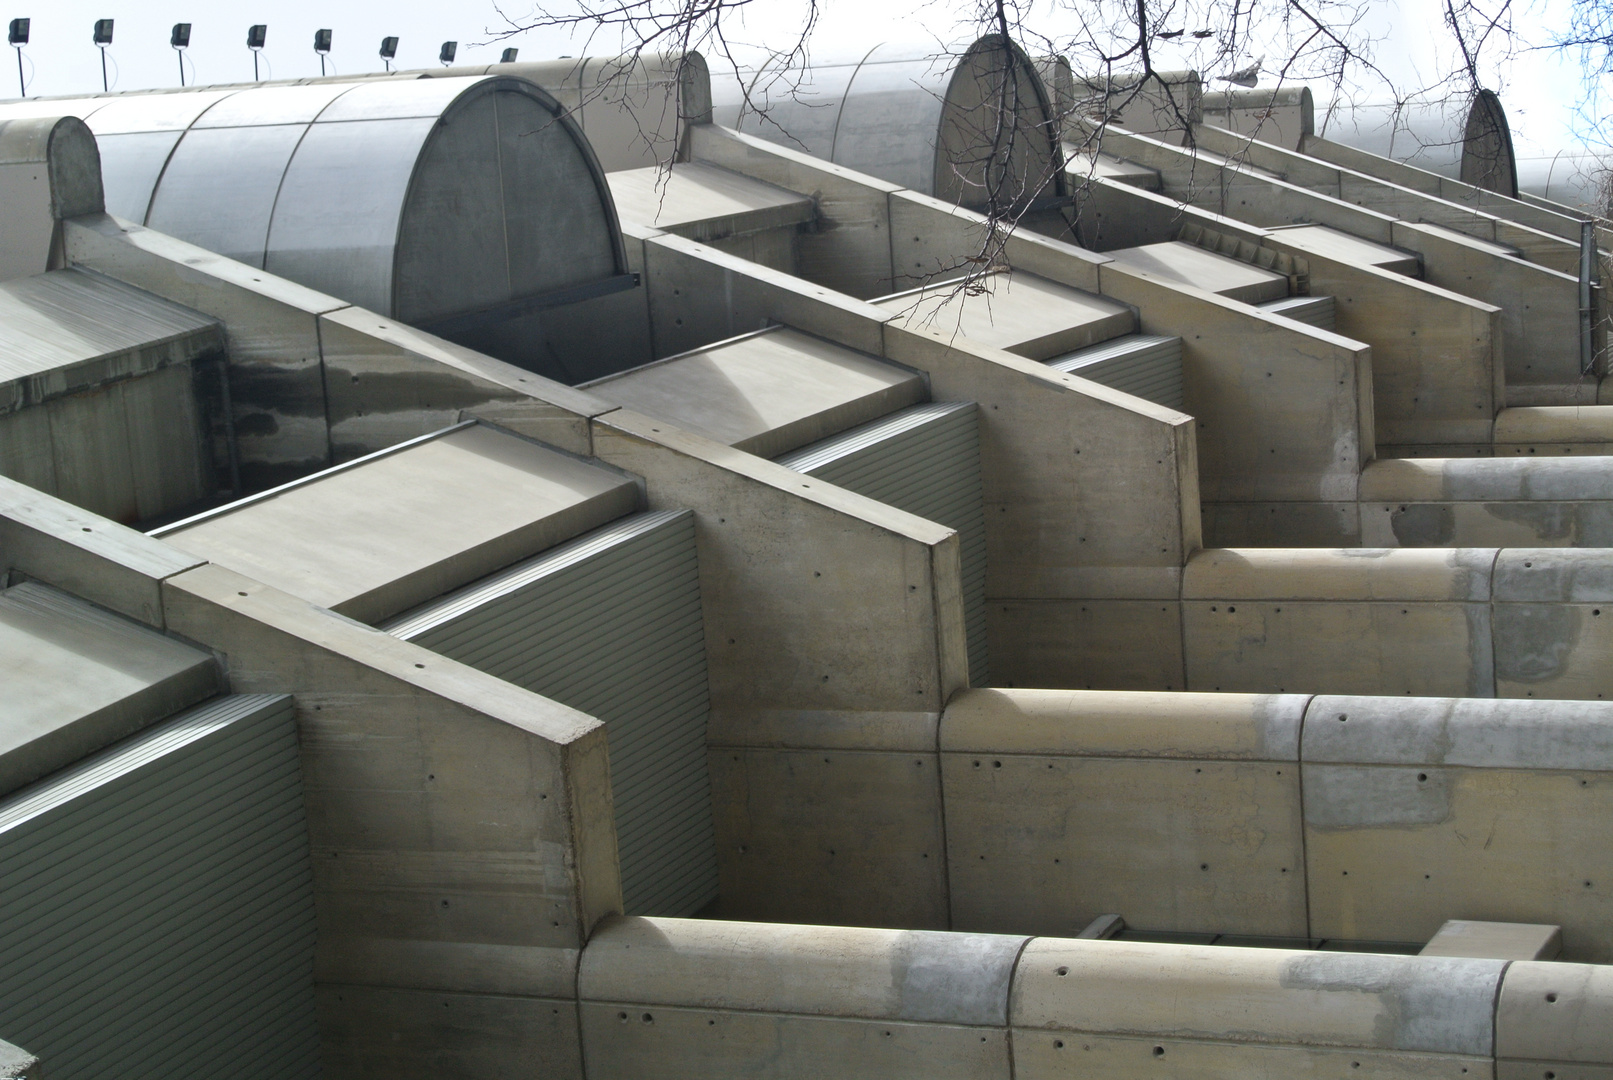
column 156, row 903
column 610, row 624
column 924, row 460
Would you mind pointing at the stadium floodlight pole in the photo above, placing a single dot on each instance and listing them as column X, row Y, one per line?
column 103, row 38
column 256, row 35
column 180, row 40
column 17, row 37
column 389, row 49
column 322, row 47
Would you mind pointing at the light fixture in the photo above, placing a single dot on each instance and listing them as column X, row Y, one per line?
column 256, row 35
column 509, row 56
column 17, row 37
column 322, row 47
column 449, row 48
column 389, row 50
column 180, row 40
column 103, row 38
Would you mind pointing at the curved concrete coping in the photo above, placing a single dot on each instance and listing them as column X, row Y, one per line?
column 1555, row 575
column 1507, row 733
column 1555, row 423
column 1555, row 1012
column 924, row 976
column 70, row 154
column 1486, row 479
column 1409, row 1003
column 1125, row 723
column 1400, row 574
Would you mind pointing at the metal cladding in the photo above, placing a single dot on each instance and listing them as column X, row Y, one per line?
column 450, row 204
column 933, row 124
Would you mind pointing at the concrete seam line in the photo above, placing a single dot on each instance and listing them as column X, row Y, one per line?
column 1495, row 645
column 1495, row 1015
column 940, row 778
column 1008, row 1012
column 1304, row 867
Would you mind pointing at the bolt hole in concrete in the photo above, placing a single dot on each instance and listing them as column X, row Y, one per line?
column 648, row 1019
column 1342, row 717
column 420, row 665
column 1062, row 971
column 1159, row 1051
column 1551, row 998
column 1421, row 777
column 240, row 594
column 1058, row 1044
column 1204, row 866
column 87, row 529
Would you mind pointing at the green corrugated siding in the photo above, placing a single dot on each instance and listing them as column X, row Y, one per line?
column 610, row 624
column 156, row 904
column 924, row 460
column 1142, row 365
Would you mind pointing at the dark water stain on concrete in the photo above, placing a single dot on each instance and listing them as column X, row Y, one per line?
column 1423, row 525
column 1533, row 641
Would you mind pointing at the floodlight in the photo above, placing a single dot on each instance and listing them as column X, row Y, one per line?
column 449, row 48
column 103, row 38
column 322, row 47
column 17, row 37
column 389, row 49
column 180, row 38
column 256, row 35
column 509, row 56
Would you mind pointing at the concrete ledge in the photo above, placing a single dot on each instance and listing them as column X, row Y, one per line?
column 1460, row 574
column 1555, row 1013
column 1440, row 1006
column 913, row 975
column 109, row 564
column 1467, row 732
column 1131, row 724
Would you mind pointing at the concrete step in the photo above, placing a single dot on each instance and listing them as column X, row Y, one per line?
column 1017, row 312
column 1189, row 264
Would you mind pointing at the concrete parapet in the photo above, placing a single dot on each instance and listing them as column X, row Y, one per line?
column 672, row 997
column 1554, row 1018
column 50, row 170
column 1428, row 502
column 1278, row 816
column 1127, row 1009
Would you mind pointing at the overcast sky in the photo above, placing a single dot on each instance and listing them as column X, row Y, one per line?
column 1536, row 88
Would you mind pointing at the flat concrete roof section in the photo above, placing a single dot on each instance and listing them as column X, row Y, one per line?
column 766, row 393
column 705, row 202
column 75, row 678
column 1350, row 249
column 379, row 535
column 70, row 330
column 1022, row 313
column 1081, row 164
column 1190, row 264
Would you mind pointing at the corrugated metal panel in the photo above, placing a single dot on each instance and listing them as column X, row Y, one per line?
column 1319, row 311
column 610, row 624
column 156, row 904
column 925, row 460
column 1141, row 365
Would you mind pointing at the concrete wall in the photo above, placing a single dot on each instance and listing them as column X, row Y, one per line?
column 1540, row 305
column 672, row 998
column 1438, row 370
column 313, row 380
column 1090, row 494
column 1279, row 816
column 834, row 636
column 1544, row 248
column 461, row 827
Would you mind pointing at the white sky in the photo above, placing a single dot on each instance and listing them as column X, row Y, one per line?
column 1538, row 90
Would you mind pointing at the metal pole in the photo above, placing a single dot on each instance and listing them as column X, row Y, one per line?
column 22, row 88
column 181, row 66
column 104, row 88
column 255, row 66
column 321, row 65
column 1587, row 268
